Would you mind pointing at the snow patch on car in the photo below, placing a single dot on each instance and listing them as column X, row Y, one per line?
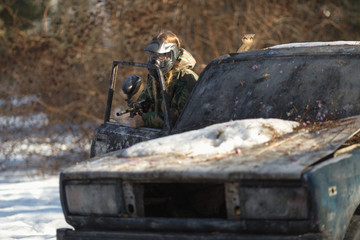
column 220, row 138
column 314, row 44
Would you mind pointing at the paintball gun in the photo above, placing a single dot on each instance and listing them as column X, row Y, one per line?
column 135, row 108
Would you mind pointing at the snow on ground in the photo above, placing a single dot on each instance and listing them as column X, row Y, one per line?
column 29, row 200
column 30, row 139
column 14, row 122
column 29, row 206
column 216, row 139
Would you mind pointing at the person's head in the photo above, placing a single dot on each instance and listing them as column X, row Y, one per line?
column 163, row 51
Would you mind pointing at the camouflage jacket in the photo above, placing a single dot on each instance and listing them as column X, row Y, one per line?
column 179, row 89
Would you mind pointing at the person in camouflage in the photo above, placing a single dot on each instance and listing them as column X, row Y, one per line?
column 176, row 64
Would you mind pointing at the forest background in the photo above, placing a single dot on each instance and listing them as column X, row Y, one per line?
column 56, row 56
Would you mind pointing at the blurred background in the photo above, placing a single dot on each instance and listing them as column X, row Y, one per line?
column 56, row 58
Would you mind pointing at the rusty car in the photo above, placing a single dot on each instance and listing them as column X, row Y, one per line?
column 304, row 184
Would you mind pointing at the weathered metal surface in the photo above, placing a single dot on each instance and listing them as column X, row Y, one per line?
column 306, row 84
column 189, row 225
column 283, row 158
column 232, row 198
column 112, row 136
column 335, row 187
column 68, row 234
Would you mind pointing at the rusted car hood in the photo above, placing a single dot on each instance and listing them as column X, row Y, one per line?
column 285, row 157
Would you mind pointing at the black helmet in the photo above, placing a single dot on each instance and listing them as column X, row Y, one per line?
column 162, row 54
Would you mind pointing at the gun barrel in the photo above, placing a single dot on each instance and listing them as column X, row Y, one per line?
column 122, row 112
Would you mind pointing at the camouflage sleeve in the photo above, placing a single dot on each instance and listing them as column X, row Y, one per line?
column 184, row 86
column 182, row 92
column 153, row 119
column 146, row 95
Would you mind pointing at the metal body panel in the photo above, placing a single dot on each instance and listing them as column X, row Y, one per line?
column 192, row 225
column 110, row 137
column 283, row 158
column 306, row 84
column 68, row 234
column 303, row 84
column 335, row 186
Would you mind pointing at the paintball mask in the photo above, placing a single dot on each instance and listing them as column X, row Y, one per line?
column 162, row 54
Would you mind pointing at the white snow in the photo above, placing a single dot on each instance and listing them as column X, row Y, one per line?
column 14, row 122
column 29, row 201
column 17, row 102
column 315, row 44
column 29, row 206
column 216, row 139
column 30, row 139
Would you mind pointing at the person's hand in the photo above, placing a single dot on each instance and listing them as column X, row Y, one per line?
column 135, row 121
